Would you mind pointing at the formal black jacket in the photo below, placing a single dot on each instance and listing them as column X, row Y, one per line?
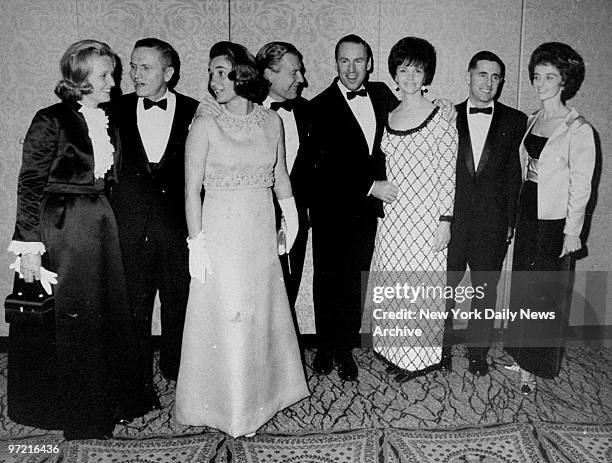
column 142, row 192
column 302, row 172
column 57, row 158
column 344, row 168
column 486, row 198
column 71, row 375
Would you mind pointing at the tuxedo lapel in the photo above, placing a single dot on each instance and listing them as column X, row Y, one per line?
column 381, row 110
column 301, row 121
column 492, row 136
column 465, row 142
column 177, row 123
column 346, row 116
column 132, row 127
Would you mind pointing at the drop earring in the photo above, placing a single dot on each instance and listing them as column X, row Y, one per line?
column 423, row 89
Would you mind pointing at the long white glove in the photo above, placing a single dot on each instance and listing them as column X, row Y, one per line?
column 199, row 261
column 47, row 277
column 290, row 216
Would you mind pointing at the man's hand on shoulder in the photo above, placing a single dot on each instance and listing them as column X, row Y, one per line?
column 208, row 106
column 448, row 109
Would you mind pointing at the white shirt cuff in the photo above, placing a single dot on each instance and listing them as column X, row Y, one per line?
column 26, row 247
column 371, row 188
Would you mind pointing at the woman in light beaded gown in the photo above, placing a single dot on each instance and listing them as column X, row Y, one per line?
column 240, row 362
column 420, row 147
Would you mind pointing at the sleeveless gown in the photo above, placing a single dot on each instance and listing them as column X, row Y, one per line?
column 421, row 162
column 240, row 362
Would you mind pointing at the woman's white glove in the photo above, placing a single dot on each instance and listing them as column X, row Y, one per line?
column 46, row 277
column 199, row 261
column 290, row 216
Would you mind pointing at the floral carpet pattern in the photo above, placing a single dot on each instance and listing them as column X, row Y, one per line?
column 454, row 418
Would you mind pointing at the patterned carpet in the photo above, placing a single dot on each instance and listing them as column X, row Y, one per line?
column 454, row 419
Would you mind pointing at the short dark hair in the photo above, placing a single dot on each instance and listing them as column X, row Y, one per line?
column 271, row 54
column 353, row 38
column 169, row 56
column 75, row 66
column 486, row 55
column 248, row 82
column 569, row 63
column 413, row 51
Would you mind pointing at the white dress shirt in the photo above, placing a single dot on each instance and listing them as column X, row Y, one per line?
column 364, row 113
column 154, row 125
column 479, row 128
column 292, row 139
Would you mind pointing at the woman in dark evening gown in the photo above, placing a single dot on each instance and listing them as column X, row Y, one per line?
column 557, row 157
column 73, row 374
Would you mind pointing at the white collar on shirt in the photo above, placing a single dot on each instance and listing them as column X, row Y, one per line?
column 344, row 90
column 363, row 110
column 292, row 138
column 154, row 126
column 479, row 125
column 170, row 96
column 471, row 105
column 269, row 100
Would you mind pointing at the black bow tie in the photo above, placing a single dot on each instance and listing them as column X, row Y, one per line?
column 148, row 104
column 487, row 110
column 287, row 105
column 352, row 94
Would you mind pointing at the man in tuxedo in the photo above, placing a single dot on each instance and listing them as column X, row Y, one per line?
column 282, row 66
column 349, row 184
column 149, row 201
column 486, row 196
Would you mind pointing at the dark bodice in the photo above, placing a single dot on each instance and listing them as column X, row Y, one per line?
column 534, row 144
column 57, row 158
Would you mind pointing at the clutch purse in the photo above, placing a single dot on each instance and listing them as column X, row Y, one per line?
column 29, row 304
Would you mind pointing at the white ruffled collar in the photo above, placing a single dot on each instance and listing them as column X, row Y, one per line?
column 97, row 128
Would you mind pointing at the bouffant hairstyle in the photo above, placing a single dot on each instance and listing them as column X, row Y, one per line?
column 169, row 56
column 76, row 65
column 567, row 61
column 416, row 52
column 247, row 79
column 486, row 55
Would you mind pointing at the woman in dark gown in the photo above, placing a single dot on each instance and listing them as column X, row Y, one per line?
column 75, row 373
column 557, row 157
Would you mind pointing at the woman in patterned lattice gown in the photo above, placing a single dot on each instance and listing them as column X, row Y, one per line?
column 421, row 150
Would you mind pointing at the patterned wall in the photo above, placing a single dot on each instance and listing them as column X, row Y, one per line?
column 35, row 33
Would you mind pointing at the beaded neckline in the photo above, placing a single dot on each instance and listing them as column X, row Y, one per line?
column 253, row 119
column 414, row 129
column 257, row 109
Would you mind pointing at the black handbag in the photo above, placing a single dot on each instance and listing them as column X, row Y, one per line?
column 29, row 304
